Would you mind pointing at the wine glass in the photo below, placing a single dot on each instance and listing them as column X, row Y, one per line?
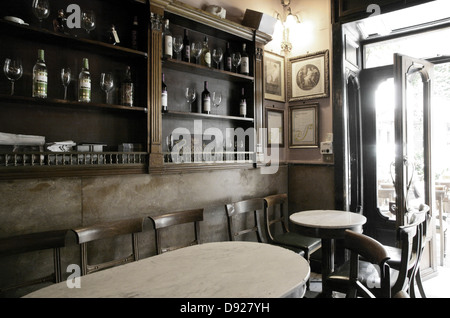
column 236, row 59
column 41, row 9
column 191, row 96
column 66, row 77
column 217, row 56
column 217, row 99
column 169, row 145
column 88, row 20
column 196, row 50
column 13, row 71
column 106, row 84
column 177, row 42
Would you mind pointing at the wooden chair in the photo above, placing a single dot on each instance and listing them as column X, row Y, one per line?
column 174, row 219
column 422, row 218
column 401, row 265
column 27, row 243
column 285, row 238
column 104, row 231
column 247, row 209
column 373, row 252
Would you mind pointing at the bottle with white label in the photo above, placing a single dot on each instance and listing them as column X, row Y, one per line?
column 245, row 61
column 243, row 105
column 164, row 95
column 84, row 83
column 40, row 77
column 167, row 41
column 127, row 89
column 206, row 53
column 206, row 99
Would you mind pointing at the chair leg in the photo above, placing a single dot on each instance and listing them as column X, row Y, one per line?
column 308, row 282
column 419, row 284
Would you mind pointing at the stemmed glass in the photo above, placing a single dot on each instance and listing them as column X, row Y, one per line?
column 191, row 96
column 217, row 56
column 196, row 50
column 41, row 9
column 106, row 84
column 217, row 99
column 177, row 42
column 169, row 145
column 236, row 59
column 88, row 20
column 13, row 71
column 66, row 77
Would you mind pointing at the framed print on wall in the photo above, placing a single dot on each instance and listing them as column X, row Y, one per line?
column 275, row 120
column 304, row 126
column 308, row 76
column 274, row 79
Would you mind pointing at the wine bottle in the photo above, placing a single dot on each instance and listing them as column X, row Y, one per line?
column 243, row 105
column 206, row 99
column 134, row 34
column 206, row 53
column 227, row 59
column 167, row 36
column 186, row 47
column 113, row 36
column 40, row 77
column 127, row 89
column 245, row 61
column 164, row 95
column 84, row 83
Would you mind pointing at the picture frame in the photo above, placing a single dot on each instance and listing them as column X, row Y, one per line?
column 275, row 120
column 274, row 77
column 304, row 126
column 308, row 76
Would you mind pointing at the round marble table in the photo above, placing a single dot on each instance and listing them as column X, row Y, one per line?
column 327, row 225
column 210, row 270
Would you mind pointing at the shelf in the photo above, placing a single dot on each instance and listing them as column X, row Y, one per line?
column 205, row 71
column 67, row 103
column 15, row 165
column 206, row 116
column 50, row 36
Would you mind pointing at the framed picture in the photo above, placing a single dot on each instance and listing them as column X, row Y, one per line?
column 308, row 76
column 275, row 120
column 304, row 126
column 274, row 78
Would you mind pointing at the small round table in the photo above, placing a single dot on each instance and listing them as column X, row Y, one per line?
column 327, row 225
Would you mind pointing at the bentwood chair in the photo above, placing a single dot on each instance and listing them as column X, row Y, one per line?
column 243, row 219
column 362, row 246
column 274, row 215
column 34, row 242
column 105, row 233
column 176, row 219
column 422, row 217
column 401, row 267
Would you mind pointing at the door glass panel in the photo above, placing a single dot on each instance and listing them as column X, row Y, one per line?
column 385, row 148
column 415, row 140
column 441, row 140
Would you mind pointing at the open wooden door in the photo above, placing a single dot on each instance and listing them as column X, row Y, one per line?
column 413, row 177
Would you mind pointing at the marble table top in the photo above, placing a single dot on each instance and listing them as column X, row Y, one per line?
column 327, row 219
column 210, row 270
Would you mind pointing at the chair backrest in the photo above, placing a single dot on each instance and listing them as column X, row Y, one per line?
column 108, row 230
column 244, row 208
column 371, row 250
column 275, row 204
column 423, row 218
column 26, row 243
column 410, row 237
column 177, row 218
